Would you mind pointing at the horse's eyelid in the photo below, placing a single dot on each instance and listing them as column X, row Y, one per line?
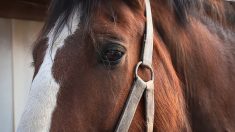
column 117, row 45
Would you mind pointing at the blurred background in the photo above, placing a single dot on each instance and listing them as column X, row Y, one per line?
column 20, row 23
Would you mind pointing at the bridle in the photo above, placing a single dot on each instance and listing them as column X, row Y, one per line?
column 140, row 87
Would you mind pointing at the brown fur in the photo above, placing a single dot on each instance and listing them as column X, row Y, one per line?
column 194, row 63
column 203, row 60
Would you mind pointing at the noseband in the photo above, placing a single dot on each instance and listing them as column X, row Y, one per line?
column 140, row 87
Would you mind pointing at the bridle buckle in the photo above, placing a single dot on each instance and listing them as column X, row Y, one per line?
column 141, row 64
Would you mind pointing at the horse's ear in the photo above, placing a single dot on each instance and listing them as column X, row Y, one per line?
column 134, row 3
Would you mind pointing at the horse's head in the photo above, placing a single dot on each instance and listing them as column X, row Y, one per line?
column 85, row 67
column 85, row 64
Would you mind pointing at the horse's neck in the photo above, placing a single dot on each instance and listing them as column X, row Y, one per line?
column 170, row 111
column 203, row 61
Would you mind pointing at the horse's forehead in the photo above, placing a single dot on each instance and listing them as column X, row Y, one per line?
column 43, row 95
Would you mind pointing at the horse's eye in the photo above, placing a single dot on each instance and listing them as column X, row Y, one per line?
column 112, row 56
column 112, row 53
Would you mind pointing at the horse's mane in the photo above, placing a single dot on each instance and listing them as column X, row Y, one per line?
column 60, row 10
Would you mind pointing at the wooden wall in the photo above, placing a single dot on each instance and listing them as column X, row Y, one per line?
column 24, row 9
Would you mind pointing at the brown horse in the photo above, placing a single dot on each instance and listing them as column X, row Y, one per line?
column 85, row 58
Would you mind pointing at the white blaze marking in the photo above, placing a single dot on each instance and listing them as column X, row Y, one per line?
column 43, row 95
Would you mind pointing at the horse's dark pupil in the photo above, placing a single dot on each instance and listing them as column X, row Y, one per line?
column 113, row 55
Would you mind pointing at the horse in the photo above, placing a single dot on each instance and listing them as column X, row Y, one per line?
column 86, row 54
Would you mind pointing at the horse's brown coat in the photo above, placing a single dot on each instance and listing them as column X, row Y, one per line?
column 194, row 65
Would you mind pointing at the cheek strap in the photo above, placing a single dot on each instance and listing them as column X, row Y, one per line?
column 140, row 87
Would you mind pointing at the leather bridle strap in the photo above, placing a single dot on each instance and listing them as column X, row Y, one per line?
column 140, row 87
column 147, row 53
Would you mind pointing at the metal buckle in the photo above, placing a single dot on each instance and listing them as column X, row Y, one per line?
column 144, row 66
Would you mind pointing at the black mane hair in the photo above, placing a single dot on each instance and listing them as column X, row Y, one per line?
column 62, row 9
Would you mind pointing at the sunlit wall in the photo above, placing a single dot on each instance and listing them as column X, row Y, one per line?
column 16, row 43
